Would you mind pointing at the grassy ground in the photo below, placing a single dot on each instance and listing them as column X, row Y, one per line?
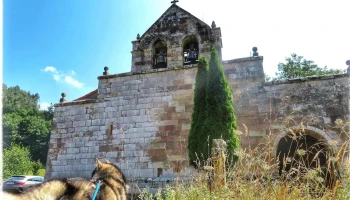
column 254, row 177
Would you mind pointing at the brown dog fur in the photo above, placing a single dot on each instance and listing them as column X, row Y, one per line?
column 63, row 189
column 113, row 185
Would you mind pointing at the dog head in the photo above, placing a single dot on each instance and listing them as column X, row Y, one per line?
column 108, row 173
column 101, row 171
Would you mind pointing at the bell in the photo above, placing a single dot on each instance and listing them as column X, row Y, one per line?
column 192, row 57
column 161, row 59
column 192, row 54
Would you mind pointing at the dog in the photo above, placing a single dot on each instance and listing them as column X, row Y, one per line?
column 113, row 186
column 113, row 181
column 57, row 189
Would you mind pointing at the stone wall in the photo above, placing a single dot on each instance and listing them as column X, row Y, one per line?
column 271, row 107
column 141, row 121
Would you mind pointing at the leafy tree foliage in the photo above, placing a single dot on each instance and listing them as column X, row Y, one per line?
column 36, row 137
column 297, row 67
column 38, row 168
column 220, row 121
column 24, row 124
column 15, row 99
column 16, row 161
column 198, row 114
column 48, row 114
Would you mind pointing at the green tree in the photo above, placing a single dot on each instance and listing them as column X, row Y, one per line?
column 36, row 137
column 24, row 123
column 15, row 99
column 48, row 114
column 37, row 167
column 30, row 128
column 16, row 161
column 10, row 126
column 297, row 67
column 198, row 114
column 220, row 122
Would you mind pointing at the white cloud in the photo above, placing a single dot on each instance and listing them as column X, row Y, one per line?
column 50, row 69
column 73, row 82
column 44, row 105
column 62, row 77
column 56, row 77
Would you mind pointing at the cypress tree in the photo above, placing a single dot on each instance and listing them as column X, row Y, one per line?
column 198, row 114
column 220, row 121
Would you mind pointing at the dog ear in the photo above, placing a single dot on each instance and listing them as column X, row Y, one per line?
column 98, row 163
column 107, row 161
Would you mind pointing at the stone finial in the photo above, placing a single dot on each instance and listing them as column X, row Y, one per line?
column 255, row 51
column 348, row 64
column 138, row 36
column 63, row 99
column 213, row 25
column 105, row 73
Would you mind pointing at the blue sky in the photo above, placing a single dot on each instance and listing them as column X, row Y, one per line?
column 55, row 46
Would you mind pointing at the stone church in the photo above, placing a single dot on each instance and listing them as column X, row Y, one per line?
column 140, row 120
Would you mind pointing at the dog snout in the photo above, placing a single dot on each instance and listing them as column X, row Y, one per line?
column 93, row 180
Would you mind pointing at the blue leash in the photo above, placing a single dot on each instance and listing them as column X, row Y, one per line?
column 96, row 190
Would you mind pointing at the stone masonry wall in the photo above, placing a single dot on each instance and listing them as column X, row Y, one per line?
column 313, row 101
column 141, row 121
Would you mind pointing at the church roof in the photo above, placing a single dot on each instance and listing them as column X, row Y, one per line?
column 90, row 95
column 167, row 12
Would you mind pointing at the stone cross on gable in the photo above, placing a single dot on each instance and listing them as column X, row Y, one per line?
column 174, row 1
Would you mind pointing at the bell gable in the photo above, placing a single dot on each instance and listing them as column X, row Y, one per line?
column 175, row 40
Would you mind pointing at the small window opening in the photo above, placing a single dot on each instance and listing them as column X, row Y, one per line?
column 110, row 129
column 160, row 172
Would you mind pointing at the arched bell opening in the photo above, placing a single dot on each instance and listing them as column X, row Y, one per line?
column 190, row 50
column 160, row 54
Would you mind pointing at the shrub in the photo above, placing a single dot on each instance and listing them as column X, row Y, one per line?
column 41, row 172
column 220, row 121
column 198, row 114
column 16, row 161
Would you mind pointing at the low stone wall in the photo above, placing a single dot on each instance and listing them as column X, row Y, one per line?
column 316, row 102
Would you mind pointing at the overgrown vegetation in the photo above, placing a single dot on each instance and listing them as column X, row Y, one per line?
column 255, row 176
column 25, row 128
column 16, row 161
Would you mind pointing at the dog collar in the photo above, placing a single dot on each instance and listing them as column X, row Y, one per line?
column 96, row 190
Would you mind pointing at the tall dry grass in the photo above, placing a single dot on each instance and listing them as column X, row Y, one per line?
column 256, row 174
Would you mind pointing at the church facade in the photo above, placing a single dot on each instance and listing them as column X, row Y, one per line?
column 140, row 120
